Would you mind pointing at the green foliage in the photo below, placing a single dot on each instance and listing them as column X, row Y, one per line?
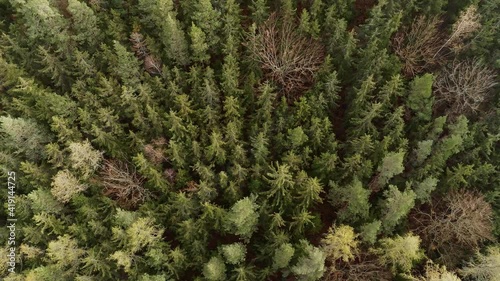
column 353, row 198
column 215, row 270
column 234, row 253
column 65, row 252
column 396, row 206
column 84, row 158
column 420, row 99
column 391, row 165
column 283, row 255
column 400, row 252
column 424, row 189
column 213, row 140
column 311, row 265
column 199, row 45
column 242, row 218
column 484, row 266
column 370, row 231
column 43, row 201
column 340, row 243
column 65, row 186
column 84, row 22
column 22, row 137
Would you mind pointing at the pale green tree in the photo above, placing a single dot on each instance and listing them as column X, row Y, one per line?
column 400, row 252
column 283, row 255
column 310, row 266
column 65, row 186
column 234, row 253
column 84, row 158
column 22, row 137
column 65, row 251
column 215, row 269
column 391, row 165
column 242, row 218
column 340, row 243
column 396, row 206
column 199, row 46
column 485, row 267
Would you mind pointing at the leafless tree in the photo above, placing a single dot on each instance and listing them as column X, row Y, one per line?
column 454, row 224
column 288, row 57
column 154, row 151
column 418, row 46
column 466, row 25
column 365, row 267
column 151, row 63
column 138, row 44
column 123, row 184
column 464, row 86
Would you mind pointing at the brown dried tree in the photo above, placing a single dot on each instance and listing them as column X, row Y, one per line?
column 287, row 56
column 151, row 63
column 463, row 87
column 123, row 184
column 418, row 46
column 365, row 267
column 155, row 151
column 454, row 224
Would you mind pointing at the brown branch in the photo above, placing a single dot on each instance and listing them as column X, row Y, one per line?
column 123, row 184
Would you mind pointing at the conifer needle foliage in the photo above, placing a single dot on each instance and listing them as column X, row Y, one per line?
column 250, row 140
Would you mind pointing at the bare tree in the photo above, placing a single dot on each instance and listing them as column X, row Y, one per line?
column 454, row 224
column 288, row 57
column 464, row 86
column 466, row 25
column 154, row 151
column 365, row 267
column 151, row 63
column 418, row 45
column 123, row 184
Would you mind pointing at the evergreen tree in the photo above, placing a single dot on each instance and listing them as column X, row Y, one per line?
column 310, row 266
column 400, row 252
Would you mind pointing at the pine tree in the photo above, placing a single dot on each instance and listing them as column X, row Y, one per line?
column 65, row 186
column 215, row 269
column 24, row 137
column 207, row 19
column 84, row 22
column 242, row 218
column 84, row 158
column 234, row 253
column 65, row 252
column 199, row 45
column 283, row 255
column 391, row 165
column 126, row 66
column 396, row 206
column 485, row 266
column 400, row 252
column 354, row 199
column 281, row 182
column 340, row 243
column 310, row 266
column 420, row 100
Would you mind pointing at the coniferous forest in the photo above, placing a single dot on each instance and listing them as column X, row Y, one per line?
column 156, row 140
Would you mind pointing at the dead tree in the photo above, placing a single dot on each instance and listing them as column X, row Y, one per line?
column 454, row 225
column 151, row 63
column 462, row 87
column 123, row 184
column 287, row 57
column 419, row 45
column 365, row 267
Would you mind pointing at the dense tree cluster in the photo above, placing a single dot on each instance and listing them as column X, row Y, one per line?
column 251, row 139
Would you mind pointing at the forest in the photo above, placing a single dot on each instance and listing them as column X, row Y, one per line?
column 241, row 140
